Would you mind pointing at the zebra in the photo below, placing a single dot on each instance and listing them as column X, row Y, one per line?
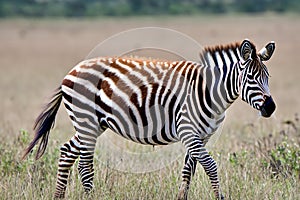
column 155, row 102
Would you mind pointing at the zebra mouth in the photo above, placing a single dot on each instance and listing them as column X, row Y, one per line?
column 268, row 107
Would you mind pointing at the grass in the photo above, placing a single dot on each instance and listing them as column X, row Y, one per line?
column 268, row 169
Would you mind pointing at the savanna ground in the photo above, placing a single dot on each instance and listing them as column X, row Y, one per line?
column 258, row 158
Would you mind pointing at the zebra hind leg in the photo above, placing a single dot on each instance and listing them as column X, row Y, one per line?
column 187, row 173
column 69, row 153
column 86, row 159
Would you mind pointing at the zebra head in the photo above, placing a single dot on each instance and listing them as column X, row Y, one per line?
column 254, row 77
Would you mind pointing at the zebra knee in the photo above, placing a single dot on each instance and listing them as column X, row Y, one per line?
column 68, row 153
column 210, row 168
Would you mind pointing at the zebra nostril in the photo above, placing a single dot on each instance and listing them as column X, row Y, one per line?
column 268, row 107
column 266, row 97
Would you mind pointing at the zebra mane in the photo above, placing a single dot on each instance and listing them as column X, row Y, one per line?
column 210, row 53
column 220, row 48
column 226, row 48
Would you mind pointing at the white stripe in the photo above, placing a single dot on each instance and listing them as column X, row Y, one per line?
column 137, row 75
column 227, row 59
column 233, row 56
column 219, row 60
column 170, row 80
column 210, row 60
column 220, row 65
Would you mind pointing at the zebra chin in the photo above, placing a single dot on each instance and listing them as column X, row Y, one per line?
column 268, row 107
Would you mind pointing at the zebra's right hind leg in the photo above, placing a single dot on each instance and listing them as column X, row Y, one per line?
column 88, row 139
column 86, row 163
column 69, row 153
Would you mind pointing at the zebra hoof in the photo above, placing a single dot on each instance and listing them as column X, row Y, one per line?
column 88, row 190
column 59, row 196
column 182, row 195
column 221, row 197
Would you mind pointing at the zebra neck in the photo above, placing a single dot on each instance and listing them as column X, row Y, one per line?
column 221, row 72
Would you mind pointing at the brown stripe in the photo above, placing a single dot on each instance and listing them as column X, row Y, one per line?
column 106, row 88
column 68, row 83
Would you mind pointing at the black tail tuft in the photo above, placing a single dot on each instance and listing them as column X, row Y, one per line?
column 43, row 124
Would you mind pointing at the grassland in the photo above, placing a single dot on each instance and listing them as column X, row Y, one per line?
column 257, row 158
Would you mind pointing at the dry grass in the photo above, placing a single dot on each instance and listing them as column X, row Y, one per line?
column 35, row 56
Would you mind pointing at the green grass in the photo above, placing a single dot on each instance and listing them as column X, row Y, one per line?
column 267, row 169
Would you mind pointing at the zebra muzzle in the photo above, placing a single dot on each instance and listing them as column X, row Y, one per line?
column 268, row 107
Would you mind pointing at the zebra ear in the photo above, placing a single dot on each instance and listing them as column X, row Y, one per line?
column 266, row 52
column 247, row 50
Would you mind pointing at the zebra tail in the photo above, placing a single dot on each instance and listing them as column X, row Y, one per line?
column 43, row 124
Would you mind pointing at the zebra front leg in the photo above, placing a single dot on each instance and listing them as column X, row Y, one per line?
column 69, row 153
column 210, row 167
column 85, row 165
column 197, row 152
column 187, row 172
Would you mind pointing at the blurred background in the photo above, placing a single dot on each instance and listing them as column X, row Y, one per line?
column 94, row 8
column 41, row 40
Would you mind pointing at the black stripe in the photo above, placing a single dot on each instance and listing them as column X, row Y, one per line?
column 201, row 95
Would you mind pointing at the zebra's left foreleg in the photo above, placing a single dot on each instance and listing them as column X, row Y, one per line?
column 197, row 152
column 210, row 167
